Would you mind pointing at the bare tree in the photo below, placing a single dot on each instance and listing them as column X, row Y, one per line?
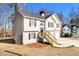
column 74, row 16
column 6, row 13
column 60, row 15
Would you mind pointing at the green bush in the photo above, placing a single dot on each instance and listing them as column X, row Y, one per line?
column 67, row 34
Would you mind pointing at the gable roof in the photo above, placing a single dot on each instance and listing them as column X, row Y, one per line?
column 66, row 25
column 28, row 14
column 56, row 16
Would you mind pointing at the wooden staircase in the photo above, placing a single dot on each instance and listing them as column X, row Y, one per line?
column 49, row 37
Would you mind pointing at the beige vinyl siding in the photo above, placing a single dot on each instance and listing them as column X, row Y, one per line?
column 32, row 36
column 32, row 22
column 50, row 24
column 34, row 26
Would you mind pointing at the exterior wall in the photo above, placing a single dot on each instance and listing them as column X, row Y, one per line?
column 27, row 28
column 57, row 34
column 53, row 30
column 26, row 38
column 18, row 28
column 46, row 24
column 57, row 20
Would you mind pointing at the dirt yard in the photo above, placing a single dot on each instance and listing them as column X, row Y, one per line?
column 35, row 49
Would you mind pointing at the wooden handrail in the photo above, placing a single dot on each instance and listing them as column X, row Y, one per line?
column 52, row 39
column 51, row 35
column 48, row 35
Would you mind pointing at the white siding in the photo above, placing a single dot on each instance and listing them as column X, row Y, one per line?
column 55, row 31
column 26, row 38
column 27, row 28
column 57, row 22
column 22, row 29
column 46, row 24
column 57, row 34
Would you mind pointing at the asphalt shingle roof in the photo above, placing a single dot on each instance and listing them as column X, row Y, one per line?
column 30, row 14
column 34, row 15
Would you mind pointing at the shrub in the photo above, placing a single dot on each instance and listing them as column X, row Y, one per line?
column 67, row 34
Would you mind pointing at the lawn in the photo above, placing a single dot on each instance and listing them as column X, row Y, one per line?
column 34, row 49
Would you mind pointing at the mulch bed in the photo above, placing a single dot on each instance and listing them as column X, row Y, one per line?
column 37, row 45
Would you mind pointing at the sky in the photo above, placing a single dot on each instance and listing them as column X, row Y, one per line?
column 65, row 8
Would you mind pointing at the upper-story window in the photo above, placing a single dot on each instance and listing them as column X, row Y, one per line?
column 32, row 22
column 57, row 25
column 50, row 24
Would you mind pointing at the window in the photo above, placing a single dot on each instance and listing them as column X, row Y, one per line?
column 57, row 25
column 32, row 22
column 50, row 24
column 32, row 36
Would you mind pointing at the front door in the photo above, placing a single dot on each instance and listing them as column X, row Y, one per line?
column 41, row 29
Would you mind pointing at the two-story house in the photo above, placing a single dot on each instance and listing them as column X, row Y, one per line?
column 26, row 26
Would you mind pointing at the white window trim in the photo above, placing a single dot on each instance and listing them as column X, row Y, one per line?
column 50, row 24
column 32, row 36
column 32, row 22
